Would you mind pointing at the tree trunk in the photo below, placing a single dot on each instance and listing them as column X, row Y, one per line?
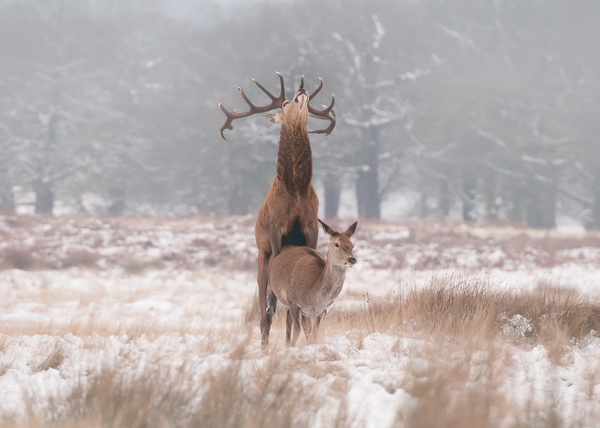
column 444, row 199
column 44, row 199
column 542, row 206
column 548, row 198
column 468, row 187
column 117, row 200
column 517, row 210
column 332, row 196
column 423, row 205
column 367, row 184
column 596, row 204
column 489, row 194
column 533, row 206
column 7, row 200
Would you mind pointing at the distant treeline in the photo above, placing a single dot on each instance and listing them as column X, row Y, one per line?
column 487, row 108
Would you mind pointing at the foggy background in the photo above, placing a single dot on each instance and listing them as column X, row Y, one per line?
column 462, row 109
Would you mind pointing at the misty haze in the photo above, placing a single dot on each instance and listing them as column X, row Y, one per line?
column 458, row 153
column 446, row 110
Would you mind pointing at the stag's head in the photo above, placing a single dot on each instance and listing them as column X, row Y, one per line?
column 293, row 112
column 340, row 246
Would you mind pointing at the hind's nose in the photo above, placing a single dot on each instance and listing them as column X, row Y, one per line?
column 352, row 260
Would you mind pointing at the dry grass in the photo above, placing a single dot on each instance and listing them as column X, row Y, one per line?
column 465, row 334
column 463, row 329
column 19, row 258
column 55, row 358
column 159, row 397
column 472, row 311
column 137, row 244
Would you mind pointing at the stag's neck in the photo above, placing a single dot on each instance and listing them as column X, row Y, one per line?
column 294, row 160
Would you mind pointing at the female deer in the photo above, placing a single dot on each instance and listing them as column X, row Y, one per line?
column 307, row 282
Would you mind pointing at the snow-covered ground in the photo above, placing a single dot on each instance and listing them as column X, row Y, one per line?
column 176, row 329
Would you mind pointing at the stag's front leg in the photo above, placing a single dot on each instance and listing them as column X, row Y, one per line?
column 275, row 238
column 263, row 283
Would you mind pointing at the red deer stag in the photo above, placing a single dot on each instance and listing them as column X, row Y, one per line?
column 308, row 283
column 288, row 215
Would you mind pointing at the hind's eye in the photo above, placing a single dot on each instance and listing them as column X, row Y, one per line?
column 337, row 245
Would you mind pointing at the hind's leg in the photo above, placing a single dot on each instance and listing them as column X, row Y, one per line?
column 288, row 328
column 308, row 327
column 295, row 315
column 318, row 323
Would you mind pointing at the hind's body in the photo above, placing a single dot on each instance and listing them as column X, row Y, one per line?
column 307, row 283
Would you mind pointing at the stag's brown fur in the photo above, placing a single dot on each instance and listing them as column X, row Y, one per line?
column 289, row 213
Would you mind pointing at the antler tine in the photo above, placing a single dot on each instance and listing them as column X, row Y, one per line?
column 281, row 96
column 252, row 106
column 326, row 114
column 314, row 94
column 227, row 124
column 325, row 111
column 328, row 130
column 276, row 102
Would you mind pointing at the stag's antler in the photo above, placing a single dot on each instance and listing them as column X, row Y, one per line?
column 276, row 102
column 326, row 114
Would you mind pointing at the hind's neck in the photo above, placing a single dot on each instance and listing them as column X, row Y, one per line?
column 332, row 280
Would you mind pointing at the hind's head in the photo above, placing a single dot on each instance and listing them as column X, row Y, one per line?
column 340, row 246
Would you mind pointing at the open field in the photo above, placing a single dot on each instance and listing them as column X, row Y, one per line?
column 152, row 322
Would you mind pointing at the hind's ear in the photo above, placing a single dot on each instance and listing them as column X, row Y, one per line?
column 350, row 231
column 328, row 230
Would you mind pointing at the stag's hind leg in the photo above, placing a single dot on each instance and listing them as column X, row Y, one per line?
column 263, row 283
column 271, row 302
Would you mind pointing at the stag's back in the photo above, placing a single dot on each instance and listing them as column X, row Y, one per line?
column 295, row 275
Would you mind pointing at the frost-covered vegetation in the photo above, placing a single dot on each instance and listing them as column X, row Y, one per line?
column 176, row 342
